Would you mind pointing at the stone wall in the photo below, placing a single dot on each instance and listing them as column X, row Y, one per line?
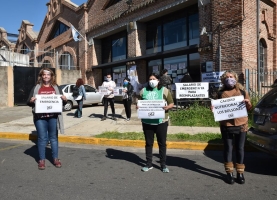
column 6, row 87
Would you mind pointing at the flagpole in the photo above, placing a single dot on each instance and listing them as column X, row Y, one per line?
column 77, row 31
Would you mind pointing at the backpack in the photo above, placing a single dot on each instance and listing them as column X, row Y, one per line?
column 219, row 93
column 75, row 91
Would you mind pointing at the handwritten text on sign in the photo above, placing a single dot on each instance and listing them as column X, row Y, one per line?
column 48, row 104
column 192, row 90
column 151, row 109
column 118, row 91
column 229, row 108
column 104, row 90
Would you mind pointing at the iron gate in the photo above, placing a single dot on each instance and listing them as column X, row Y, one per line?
column 25, row 79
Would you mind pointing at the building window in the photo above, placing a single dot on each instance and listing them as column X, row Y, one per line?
column 262, row 59
column 114, row 48
column 154, row 66
column 58, row 29
column 173, row 31
column 194, row 67
column 119, row 73
column 119, row 49
column 46, row 64
column 66, row 61
column 25, row 49
column 194, row 29
column 174, row 34
column 153, row 38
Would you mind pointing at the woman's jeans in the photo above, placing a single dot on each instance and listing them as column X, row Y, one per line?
column 47, row 130
column 78, row 112
column 161, row 134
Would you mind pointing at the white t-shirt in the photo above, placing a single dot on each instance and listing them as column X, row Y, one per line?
column 110, row 85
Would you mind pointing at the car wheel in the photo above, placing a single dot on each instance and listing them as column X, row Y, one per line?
column 68, row 106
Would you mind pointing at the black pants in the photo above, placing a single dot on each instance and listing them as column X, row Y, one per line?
column 239, row 141
column 106, row 101
column 127, row 105
column 161, row 133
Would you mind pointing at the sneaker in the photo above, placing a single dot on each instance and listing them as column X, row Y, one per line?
column 146, row 168
column 57, row 163
column 41, row 164
column 103, row 118
column 165, row 169
column 128, row 119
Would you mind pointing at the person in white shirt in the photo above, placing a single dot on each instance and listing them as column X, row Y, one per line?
column 110, row 97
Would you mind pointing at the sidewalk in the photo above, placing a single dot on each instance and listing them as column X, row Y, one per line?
column 17, row 123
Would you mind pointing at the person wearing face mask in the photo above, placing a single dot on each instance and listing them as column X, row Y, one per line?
column 155, row 91
column 110, row 97
column 233, row 130
column 128, row 90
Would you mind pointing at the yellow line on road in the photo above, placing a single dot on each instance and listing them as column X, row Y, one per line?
column 11, row 147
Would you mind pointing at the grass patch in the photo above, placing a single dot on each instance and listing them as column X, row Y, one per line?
column 180, row 137
column 195, row 115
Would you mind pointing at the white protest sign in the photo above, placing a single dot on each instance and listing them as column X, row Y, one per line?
column 192, row 90
column 118, row 91
column 229, row 108
column 151, row 109
column 104, row 90
column 212, row 77
column 48, row 104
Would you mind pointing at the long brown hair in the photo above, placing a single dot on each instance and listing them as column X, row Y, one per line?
column 79, row 82
column 53, row 77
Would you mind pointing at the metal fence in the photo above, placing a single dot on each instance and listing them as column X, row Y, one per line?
column 257, row 84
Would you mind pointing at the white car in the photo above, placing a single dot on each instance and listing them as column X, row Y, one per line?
column 92, row 96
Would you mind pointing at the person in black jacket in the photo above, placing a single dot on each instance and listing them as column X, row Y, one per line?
column 128, row 89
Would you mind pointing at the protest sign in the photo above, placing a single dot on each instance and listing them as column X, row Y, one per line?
column 48, row 104
column 229, row 108
column 212, row 77
column 118, row 91
column 192, row 90
column 151, row 109
column 104, row 90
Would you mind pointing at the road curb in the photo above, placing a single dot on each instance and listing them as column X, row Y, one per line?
column 123, row 143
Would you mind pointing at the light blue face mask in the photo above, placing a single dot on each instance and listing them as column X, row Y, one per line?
column 125, row 83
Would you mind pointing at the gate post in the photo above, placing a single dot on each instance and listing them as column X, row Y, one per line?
column 10, row 98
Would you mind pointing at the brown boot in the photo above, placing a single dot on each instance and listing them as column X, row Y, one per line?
column 229, row 168
column 240, row 169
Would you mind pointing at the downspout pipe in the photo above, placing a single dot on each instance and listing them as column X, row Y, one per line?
column 258, row 48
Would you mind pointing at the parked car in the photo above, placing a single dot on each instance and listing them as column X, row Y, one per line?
column 92, row 96
column 263, row 133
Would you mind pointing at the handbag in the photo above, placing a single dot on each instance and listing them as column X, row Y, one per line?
column 231, row 129
column 78, row 97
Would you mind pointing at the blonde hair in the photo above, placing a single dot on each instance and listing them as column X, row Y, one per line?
column 42, row 71
column 224, row 76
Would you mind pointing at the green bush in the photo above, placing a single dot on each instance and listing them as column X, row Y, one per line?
column 194, row 115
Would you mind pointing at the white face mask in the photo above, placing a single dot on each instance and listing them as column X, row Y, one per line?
column 109, row 79
column 153, row 83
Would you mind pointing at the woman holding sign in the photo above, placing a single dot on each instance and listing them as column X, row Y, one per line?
column 128, row 90
column 47, row 123
column 233, row 130
column 155, row 91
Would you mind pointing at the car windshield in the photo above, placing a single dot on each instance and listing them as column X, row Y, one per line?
column 270, row 99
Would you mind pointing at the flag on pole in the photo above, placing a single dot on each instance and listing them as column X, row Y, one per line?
column 75, row 34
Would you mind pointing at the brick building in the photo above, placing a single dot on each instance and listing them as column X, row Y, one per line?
column 180, row 35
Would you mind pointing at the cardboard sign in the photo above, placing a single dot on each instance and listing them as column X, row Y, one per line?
column 118, row 91
column 48, row 104
column 229, row 108
column 192, row 90
column 104, row 90
column 151, row 109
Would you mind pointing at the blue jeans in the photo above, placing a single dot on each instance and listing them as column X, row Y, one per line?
column 47, row 130
column 78, row 112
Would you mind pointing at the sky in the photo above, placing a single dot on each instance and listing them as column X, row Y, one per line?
column 13, row 12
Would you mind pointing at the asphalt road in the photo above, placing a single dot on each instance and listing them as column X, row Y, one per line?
column 93, row 172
